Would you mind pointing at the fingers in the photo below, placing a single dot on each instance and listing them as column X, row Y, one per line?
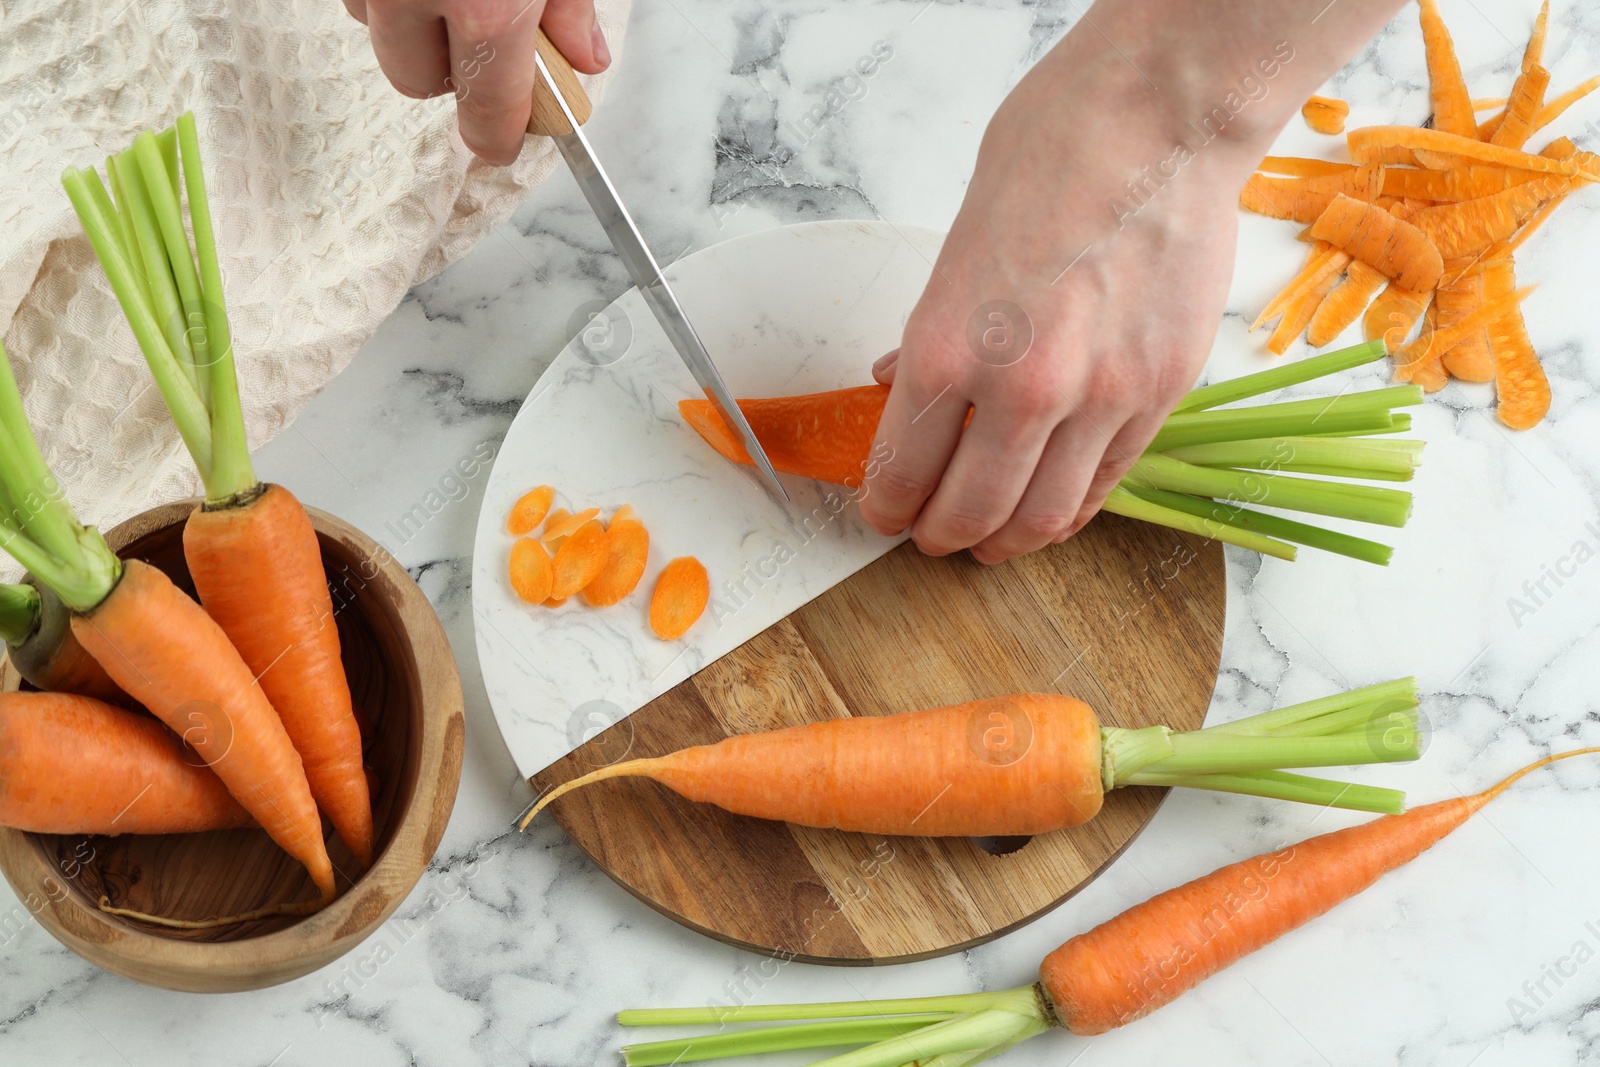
column 1126, row 446
column 357, row 9
column 571, row 27
column 411, row 45
column 984, row 481
column 883, row 369
column 492, row 74
column 917, row 434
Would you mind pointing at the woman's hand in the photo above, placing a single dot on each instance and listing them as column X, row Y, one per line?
column 1078, row 293
column 482, row 51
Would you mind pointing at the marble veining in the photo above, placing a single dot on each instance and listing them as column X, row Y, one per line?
column 515, row 950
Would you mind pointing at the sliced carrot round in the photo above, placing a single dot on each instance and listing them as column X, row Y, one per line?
column 581, row 557
column 531, row 571
column 528, row 512
column 627, row 548
column 680, row 598
column 564, row 525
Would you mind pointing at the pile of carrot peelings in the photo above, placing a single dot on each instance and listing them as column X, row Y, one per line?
column 1416, row 235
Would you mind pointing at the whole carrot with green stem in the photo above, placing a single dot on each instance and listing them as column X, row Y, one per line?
column 37, row 630
column 1112, row 975
column 160, row 647
column 251, row 548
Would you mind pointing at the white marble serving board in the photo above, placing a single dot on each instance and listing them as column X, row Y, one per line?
column 793, row 310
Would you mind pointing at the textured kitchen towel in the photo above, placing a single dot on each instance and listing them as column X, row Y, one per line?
column 332, row 195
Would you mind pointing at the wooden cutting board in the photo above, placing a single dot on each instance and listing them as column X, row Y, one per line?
column 1126, row 615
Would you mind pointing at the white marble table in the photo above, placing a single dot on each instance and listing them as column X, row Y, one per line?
column 517, row 951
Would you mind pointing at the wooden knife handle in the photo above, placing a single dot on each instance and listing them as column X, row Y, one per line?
column 547, row 119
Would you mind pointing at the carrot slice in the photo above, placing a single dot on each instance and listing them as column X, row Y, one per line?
column 1303, row 199
column 1300, row 167
column 566, row 525
column 1520, row 382
column 1527, row 97
column 1473, row 225
column 1376, row 237
column 580, row 558
column 1452, row 104
column 1392, row 315
column 1325, row 114
column 819, row 435
column 627, row 549
column 1455, row 184
column 1344, row 304
column 531, row 570
column 555, row 602
column 1392, row 145
column 680, row 597
column 528, row 512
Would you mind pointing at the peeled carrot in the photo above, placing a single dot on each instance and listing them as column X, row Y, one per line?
column 682, row 591
column 37, row 630
column 288, row 637
column 1457, row 183
column 168, row 654
column 1024, row 764
column 1557, row 107
column 1298, row 315
column 1452, row 104
column 529, row 510
column 1522, row 389
column 1323, row 262
column 1344, row 304
column 1376, row 237
column 1433, row 344
column 1303, row 199
column 1300, row 167
column 74, row 765
column 1122, row 970
column 1112, row 975
column 1392, row 314
column 819, row 435
column 1521, row 97
column 579, row 560
column 531, row 573
column 1325, row 114
column 1472, row 225
column 627, row 551
column 1516, row 125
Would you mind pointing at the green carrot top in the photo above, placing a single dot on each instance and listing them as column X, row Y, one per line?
column 171, row 294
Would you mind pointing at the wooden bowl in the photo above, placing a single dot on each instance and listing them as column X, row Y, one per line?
column 403, row 678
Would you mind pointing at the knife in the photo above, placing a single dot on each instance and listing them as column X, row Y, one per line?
column 560, row 108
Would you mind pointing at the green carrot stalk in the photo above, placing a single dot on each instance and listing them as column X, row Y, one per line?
column 823, row 1034
column 1282, row 785
column 1329, row 457
column 20, row 609
column 1132, row 503
column 1274, row 526
column 1275, row 378
column 1364, row 503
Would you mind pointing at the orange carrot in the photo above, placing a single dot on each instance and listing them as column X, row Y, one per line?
column 288, row 638
column 1391, row 145
column 531, row 573
column 1458, row 183
column 680, row 596
column 1469, row 359
column 1300, row 167
column 45, row 652
column 1303, row 199
column 1298, row 315
column 820, row 435
column 560, row 524
column 1392, row 315
column 1393, row 246
column 529, row 511
column 627, row 550
column 1557, row 107
column 1428, row 371
column 1452, row 104
column 1325, row 114
column 1322, row 262
column 1472, row 225
column 1344, row 304
column 168, row 654
column 1433, row 344
column 579, row 560
column 74, row 765
column 1522, row 389
column 1527, row 98
column 1155, row 952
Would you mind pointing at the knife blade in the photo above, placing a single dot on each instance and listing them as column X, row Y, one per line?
column 553, row 115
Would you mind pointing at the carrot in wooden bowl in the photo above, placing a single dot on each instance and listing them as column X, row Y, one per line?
column 75, row 765
column 1024, row 764
column 37, row 630
column 251, row 548
column 161, row 648
column 1112, row 975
